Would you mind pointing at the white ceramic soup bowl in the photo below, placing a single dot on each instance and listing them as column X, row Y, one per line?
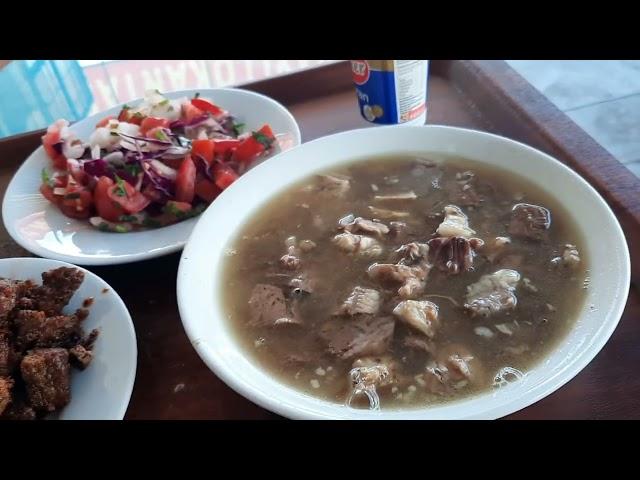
column 200, row 285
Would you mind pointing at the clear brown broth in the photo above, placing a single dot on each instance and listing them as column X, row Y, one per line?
column 536, row 329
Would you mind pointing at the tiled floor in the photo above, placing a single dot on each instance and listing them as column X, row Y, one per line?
column 602, row 96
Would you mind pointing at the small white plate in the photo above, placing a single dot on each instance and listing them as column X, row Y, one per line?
column 41, row 228
column 103, row 390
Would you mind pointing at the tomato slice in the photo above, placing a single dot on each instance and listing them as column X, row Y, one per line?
column 47, row 192
column 186, row 181
column 126, row 115
column 158, row 133
column 190, row 112
column 206, row 106
column 224, row 146
column 107, row 208
column 204, row 148
column 105, row 121
column 225, row 176
column 207, row 190
column 150, row 123
column 253, row 146
column 49, row 139
column 127, row 197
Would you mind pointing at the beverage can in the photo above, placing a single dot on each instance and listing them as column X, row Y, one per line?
column 392, row 91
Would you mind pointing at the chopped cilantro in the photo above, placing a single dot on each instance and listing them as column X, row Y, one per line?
column 120, row 229
column 126, row 107
column 138, row 115
column 196, row 95
column 151, row 223
column 263, row 139
column 128, row 218
column 45, row 176
column 164, row 102
column 237, row 128
column 120, row 188
column 132, row 169
column 160, row 135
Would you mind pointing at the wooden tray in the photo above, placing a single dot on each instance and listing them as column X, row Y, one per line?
column 173, row 383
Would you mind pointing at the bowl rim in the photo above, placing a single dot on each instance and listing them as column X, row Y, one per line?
column 129, row 382
column 189, row 223
column 271, row 402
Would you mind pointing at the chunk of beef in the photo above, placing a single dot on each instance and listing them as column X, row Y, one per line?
column 496, row 248
column 412, row 253
column 368, row 375
column 46, row 374
column 354, row 224
column 411, row 279
column 570, row 257
column 33, row 329
column 7, row 300
column 80, row 357
column 6, row 385
column 268, row 307
column 493, row 293
column 416, row 342
column 58, row 286
column 362, row 336
column 358, row 244
column 453, row 254
column 529, row 221
column 88, row 341
column 454, row 368
column 361, row 300
column 455, row 223
column 290, row 260
column 333, row 185
column 467, row 194
column 420, row 315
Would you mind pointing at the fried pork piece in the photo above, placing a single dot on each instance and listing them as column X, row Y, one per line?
column 80, row 357
column 18, row 410
column 6, row 385
column 8, row 356
column 58, row 286
column 35, row 330
column 8, row 296
column 46, row 374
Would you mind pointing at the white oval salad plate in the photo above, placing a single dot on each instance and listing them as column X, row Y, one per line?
column 40, row 226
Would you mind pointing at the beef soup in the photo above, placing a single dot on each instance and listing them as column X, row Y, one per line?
column 401, row 282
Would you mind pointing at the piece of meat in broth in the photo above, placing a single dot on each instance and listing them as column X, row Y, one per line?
column 268, row 307
column 411, row 279
column 453, row 254
column 529, row 221
column 354, row 224
column 367, row 375
column 496, row 248
column 358, row 244
column 361, row 336
column 420, row 315
column 454, row 368
column 570, row 257
column 361, row 300
column 455, row 223
column 412, row 253
column 493, row 293
column 333, row 185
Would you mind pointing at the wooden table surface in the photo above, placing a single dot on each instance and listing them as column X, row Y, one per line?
column 173, row 383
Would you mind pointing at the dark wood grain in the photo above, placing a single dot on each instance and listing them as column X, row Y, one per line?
column 173, row 383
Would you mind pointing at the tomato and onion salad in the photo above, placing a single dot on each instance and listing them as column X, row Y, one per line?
column 149, row 166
